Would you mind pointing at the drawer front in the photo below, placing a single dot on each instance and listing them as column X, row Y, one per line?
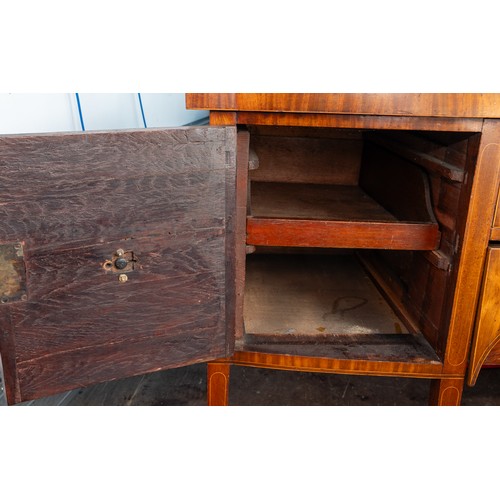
column 114, row 249
column 486, row 342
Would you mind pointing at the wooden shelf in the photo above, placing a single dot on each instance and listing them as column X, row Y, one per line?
column 314, row 295
column 314, row 304
column 330, row 216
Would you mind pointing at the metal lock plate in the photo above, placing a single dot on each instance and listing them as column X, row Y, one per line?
column 12, row 273
column 121, row 262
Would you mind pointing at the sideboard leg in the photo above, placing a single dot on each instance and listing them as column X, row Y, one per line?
column 218, row 383
column 446, row 392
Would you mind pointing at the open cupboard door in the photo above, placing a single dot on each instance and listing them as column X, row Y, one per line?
column 116, row 255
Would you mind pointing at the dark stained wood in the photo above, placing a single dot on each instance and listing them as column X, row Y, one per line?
column 56, row 188
column 239, row 240
column 72, row 317
column 8, row 354
column 399, row 186
column 341, row 234
column 422, row 156
column 315, row 160
column 167, row 196
column 434, row 105
column 487, row 328
column 59, row 371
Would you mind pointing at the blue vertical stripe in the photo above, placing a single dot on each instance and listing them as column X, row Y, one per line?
column 80, row 111
column 142, row 110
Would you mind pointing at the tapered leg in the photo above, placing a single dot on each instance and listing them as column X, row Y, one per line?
column 446, row 392
column 218, row 383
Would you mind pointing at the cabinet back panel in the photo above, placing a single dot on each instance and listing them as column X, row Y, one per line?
column 325, row 159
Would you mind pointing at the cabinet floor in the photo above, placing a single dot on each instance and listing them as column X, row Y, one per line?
column 259, row 387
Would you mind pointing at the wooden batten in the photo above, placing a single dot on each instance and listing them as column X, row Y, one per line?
column 421, row 154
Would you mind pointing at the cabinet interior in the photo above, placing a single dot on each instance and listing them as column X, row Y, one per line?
column 352, row 238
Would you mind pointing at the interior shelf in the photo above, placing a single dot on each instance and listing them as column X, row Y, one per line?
column 311, row 304
column 330, row 216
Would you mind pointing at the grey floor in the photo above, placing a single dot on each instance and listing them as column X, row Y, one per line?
column 252, row 386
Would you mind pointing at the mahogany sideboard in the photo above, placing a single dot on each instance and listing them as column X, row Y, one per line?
column 339, row 233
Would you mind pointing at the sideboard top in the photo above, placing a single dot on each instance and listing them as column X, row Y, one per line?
column 428, row 105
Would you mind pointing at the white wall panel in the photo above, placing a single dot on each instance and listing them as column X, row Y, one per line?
column 168, row 110
column 33, row 113
column 110, row 111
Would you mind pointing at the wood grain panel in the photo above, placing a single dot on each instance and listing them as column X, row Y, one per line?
column 383, row 104
column 8, row 353
column 474, row 226
column 398, row 185
column 361, row 121
column 307, row 159
column 74, row 199
column 446, row 392
column 83, row 189
column 487, row 328
column 341, row 234
column 58, row 372
column 329, row 363
column 493, row 358
column 315, row 202
column 496, row 222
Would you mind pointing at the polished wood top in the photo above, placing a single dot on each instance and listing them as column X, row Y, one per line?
column 428, row 105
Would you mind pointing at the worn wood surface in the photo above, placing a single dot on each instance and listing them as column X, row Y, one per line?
column 313, row 295
column 383, row 104
column 487, row 328
column 282, row 200
column 239, row 240
column 314, row 160
column 74, row 199
column 393, row 347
